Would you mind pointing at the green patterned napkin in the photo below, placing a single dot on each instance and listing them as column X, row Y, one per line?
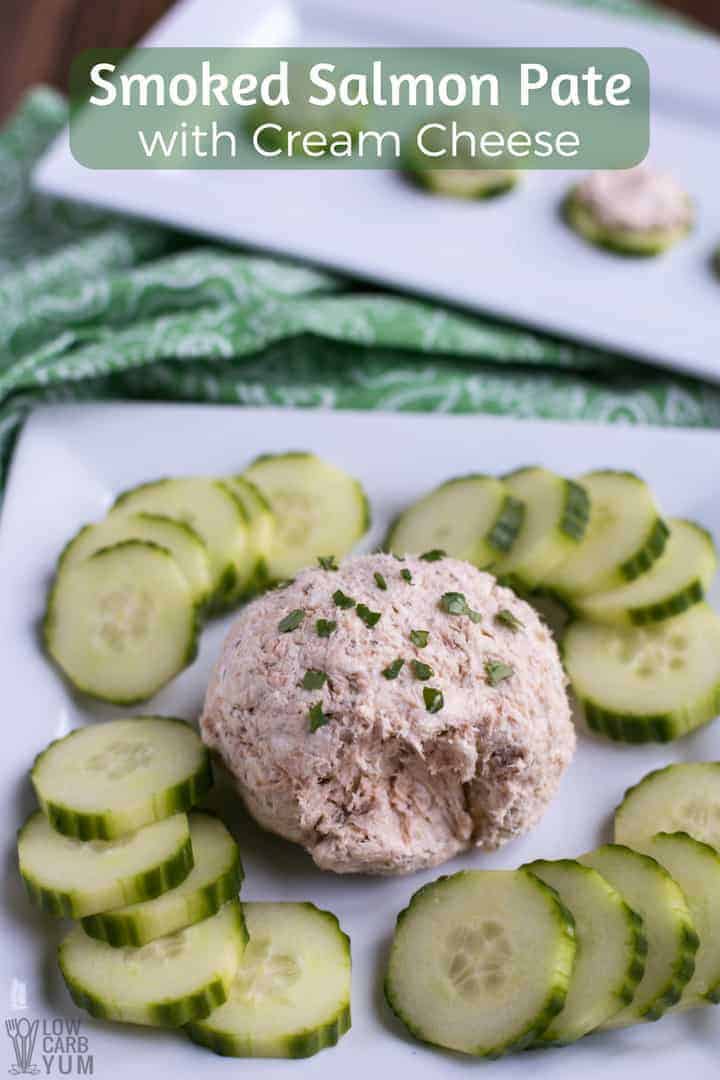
column 95, row 306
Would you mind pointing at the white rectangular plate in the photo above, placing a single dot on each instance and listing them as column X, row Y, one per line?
column 513, row 256
column 70, row 463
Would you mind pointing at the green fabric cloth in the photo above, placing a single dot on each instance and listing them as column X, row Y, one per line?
column 95, row 306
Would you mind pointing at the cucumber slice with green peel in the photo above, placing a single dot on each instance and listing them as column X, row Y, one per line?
column 621, row 241
column 291, row 995
column 183, row 543
column 556, row 517
column 465, row 183
column 471, row 517
column 214, row 879
column 262, row 525
column 481, row 961
column 671, row 936
column 319, row 510
column 122, row 623
column 678, row 798
column 72, row 877
column 611, row 949
column 679, row 579
column 165, row 983
column 211, row 509
column 105, row 780
column 696, row 868
column 646, row 684
column 624, row 537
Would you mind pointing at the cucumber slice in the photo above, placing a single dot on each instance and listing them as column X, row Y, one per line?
column 556, row 516
column 678, row 579
column 472, row 517
column 678, row 798
column 183, row 543
column 211, row 509
column 623, row 241
column 291, row 995
column 465, row 183
column 262, row 526
column 611, row 949
column 696, row 868
column 646, row 684
column 320, row 510
column 104, row 780
column 625, row 535
column 77, row 878
column 174, row 979
column 481, row 961
column 667, row 922
column 214, row 879
column 122, row 623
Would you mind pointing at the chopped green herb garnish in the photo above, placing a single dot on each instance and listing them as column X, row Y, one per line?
column 506, row 618
column 398, row 558
column 283, row 583
column 393, row 670
column 474, row 616
column 291, row 621
column 368, row 617
column 434, row 556
column 496, row 672
column 422, row 671
column 341, row 600
column 433, row 699
column 313, row 679
column 454, row 603
column 318, row 718
column 420, row 638
column 380, row 581
column 325, row 627
column 327, row 562
column 406, row 575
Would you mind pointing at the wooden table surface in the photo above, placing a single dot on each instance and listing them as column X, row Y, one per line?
column 39, row 38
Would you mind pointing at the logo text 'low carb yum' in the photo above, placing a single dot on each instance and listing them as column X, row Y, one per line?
column 48, row 1047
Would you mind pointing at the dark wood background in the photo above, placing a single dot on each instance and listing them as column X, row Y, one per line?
column 39, row 38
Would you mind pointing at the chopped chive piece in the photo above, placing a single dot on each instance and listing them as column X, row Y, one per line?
column 454, row 603
column 406, row 575
column 283, row 583
column 368, row 617
column 434, row 556
column 433, row 699
column 474, row 616
column 506, row 618
column 398, row 558
column 325, row 627
column 291, row 621
column 318, row 718
column 422, row 671
column 380, row 581
column 496, row 672
column 327, row 562
column 393, row 670
column 341, row 600
column 313, row 679
column 420, row 638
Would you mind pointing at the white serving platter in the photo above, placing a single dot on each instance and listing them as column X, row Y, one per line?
column 70, row 462
column 512, row 257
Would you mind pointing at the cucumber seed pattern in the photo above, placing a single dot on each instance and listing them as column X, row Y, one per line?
column 265, row 974
column 476, row 956
column 120, row 758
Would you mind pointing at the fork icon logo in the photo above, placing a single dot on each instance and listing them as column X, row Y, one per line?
column 22, row 1034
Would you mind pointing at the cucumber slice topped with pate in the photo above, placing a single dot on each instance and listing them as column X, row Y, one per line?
column 624, row 537
column 261, row 523
column 646, row 684
column 679, row 579
column 696, row 868
column 556, row 516
column 183, row 543
column 481, row 961
column 475, row 518
column 105, row 780
column 167, row 983
column 667, row 922
column 678, row 798
column 211, row 509
column 122, row 623
column 611, row 949
column 291, row 995
column 214, row 879
column 319, row 510
column 72, row 877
